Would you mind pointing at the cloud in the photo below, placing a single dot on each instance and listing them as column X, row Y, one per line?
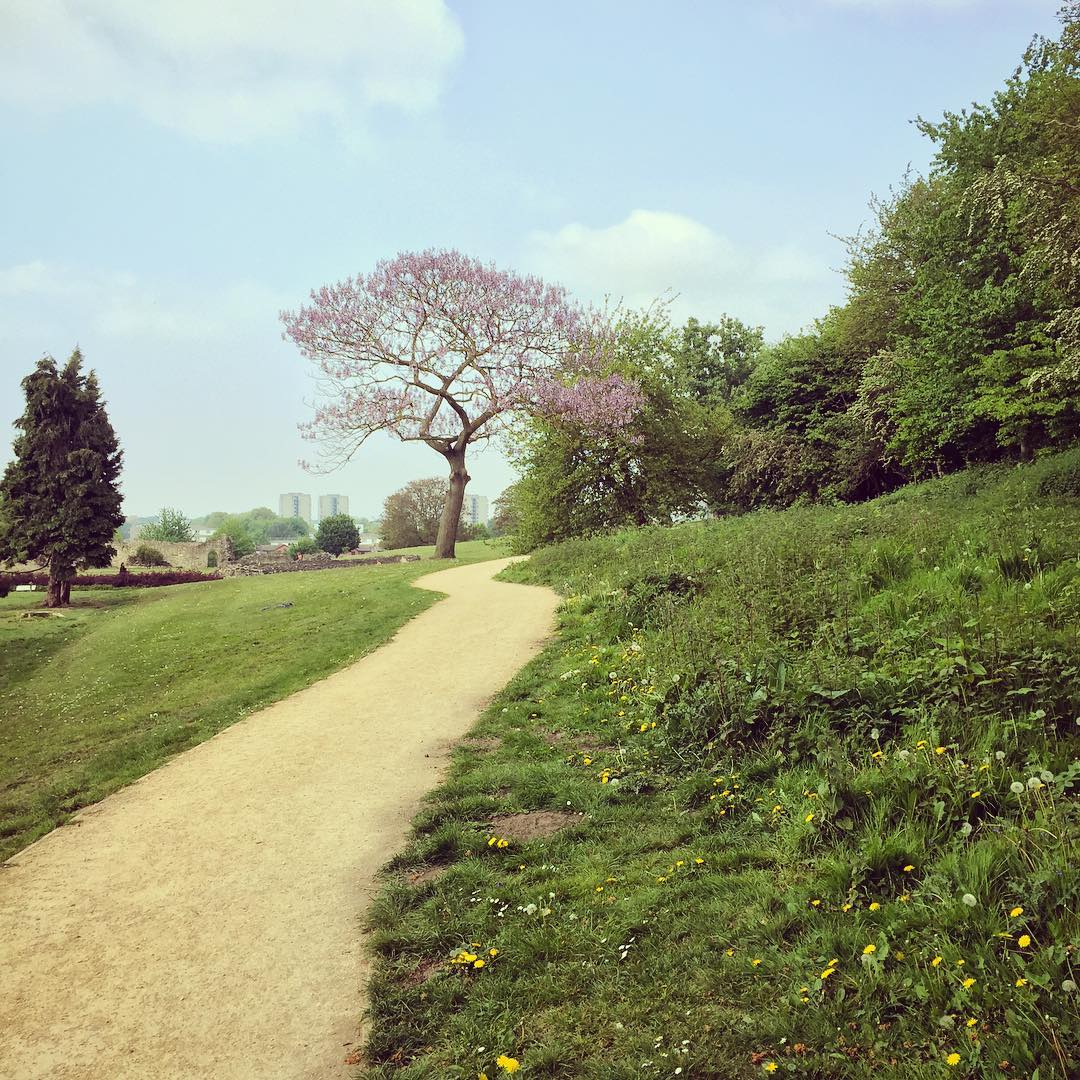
column 654, row 253
column 229, row 71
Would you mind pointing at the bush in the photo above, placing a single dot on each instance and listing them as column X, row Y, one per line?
column 5, row 586
column 145, row 555
column 304, row 546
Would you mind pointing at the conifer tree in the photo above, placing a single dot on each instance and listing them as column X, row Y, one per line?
column 61, row 502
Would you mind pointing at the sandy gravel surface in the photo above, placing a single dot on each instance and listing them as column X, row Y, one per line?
column 203, row 922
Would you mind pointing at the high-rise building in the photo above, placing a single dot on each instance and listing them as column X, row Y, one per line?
column 474, row 510
column 329, row 505
column 295, row 504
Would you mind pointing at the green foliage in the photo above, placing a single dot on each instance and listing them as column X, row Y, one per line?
column 61, row 503
column 664, row 465
column 337, row 533
column 235, row 527
column 145, row 555
column 412, row 514
column 829, row 768
column 171, row 527
column 304, row 546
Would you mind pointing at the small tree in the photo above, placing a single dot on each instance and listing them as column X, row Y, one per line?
column 412, row 516
column 337, row 533
column 170, row 527
column 439, row 348
column 304, row 546
column 61, row 502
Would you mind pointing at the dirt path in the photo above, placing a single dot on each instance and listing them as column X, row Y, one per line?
column 203, row 922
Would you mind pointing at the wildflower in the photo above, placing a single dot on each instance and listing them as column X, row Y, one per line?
column 493, row 953
column 904, row 897
column 845, row 907
column 587, row 761
column 878, row 754
column 644, row 727
column 815, row 903
column 871, row 948
column 936, row 962
column 976, row 794
column 770, row 1066
column 599, row 888
column 826, row 973
column 730, row 952
column 908, row 868
column 1016, row 787
column 920, row 744
column 492, row 840
column 508, row 1064
column 968, row 983
column 809, row 817
column 777, row 809
column 972, row 1022
column 699, row 861
column 875, row 906
column 968, row 899
column 755, row 962
column 1016, row 913
column 479, row 964
column 953, row 1059
column 1068, row 986
column 503, row 843
column 939, row 749
column 1021, row 982
column 1023, row 941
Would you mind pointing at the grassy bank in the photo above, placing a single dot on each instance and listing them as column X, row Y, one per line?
column 827, row 763
column 97, row 697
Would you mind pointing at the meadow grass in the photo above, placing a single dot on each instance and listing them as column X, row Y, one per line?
column 828, row 766
column 124, row 678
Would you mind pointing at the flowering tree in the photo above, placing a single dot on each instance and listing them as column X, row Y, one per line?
column 437, row 347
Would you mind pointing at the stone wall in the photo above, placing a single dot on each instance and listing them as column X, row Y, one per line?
column 265, row 564
column 194, row 556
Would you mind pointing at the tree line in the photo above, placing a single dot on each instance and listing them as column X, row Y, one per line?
column 959, row 342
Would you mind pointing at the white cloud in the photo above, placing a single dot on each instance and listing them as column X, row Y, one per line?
column 232, row 70
column 655, row 253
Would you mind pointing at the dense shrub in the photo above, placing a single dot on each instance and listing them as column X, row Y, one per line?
column 121, row 581
column 304, row 546
column 145, row 555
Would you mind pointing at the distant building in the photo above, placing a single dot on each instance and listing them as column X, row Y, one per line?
column 294, row 504
column 329, row 505
column 474, row 510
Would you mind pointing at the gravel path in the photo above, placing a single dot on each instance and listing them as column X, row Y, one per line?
column 204, row 922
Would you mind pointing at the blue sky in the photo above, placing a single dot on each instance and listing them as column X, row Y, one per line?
column 175, row 173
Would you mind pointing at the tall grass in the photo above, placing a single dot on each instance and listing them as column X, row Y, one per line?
column 829, row 759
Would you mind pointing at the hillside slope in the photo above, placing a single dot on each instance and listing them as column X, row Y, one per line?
column 827, row 761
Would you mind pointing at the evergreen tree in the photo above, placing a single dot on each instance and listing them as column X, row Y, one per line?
column 337, row 533
column 61, row 502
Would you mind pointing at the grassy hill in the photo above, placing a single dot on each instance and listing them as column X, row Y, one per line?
column 828, row 762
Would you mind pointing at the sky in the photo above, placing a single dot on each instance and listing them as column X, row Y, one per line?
column 174, row 174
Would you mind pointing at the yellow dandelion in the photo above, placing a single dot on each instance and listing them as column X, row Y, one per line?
column 939, row 750
column 479, row 963
column 1016, row 912
column 826, row 973
column 508, row 1064
column 968, row 983
column 871, row 948
column 770, row 1066
column 936, row 962
column 920, row 744
column 972, row 1022
column 976, row 794
column 1024, row 940
column 493, row 953
column 503, row 843
column 816, row 903
column 587, row 761
column 492, row 841
column 809, row 817
column 599, row 888
column 755, row 962
column 699, row 861
column 1021, row 982
column 845, row 907
column 730, row 952
column 875, row 906
column 877, row 754
column 953, row 1059
column 908, row 868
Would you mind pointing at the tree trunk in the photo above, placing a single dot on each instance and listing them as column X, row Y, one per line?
column 451, row 515
column 59, row 586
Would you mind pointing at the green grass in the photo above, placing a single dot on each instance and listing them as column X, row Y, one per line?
column 775, row 853
column 125, row 678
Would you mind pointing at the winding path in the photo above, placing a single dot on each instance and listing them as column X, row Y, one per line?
column 204, row 921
